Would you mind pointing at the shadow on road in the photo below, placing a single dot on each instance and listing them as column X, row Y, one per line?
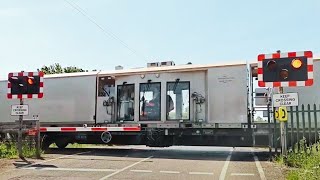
column 185, row 153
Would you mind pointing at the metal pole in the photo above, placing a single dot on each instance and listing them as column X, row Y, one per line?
column 38, row 139
column 20, row 133
column 275, row 143
column 283, row 132
column 269, row 128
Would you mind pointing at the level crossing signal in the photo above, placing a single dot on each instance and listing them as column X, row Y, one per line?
column 285, row 69
column 25, row 85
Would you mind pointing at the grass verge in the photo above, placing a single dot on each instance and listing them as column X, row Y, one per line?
column 302, row 164
column 9, row 150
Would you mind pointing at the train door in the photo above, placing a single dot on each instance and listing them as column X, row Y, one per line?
column 125, row 102
column 106, row 99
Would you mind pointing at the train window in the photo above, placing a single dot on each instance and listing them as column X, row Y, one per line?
column 150, row 101
column 125, row 102
column 177, row 102
column 106, row 87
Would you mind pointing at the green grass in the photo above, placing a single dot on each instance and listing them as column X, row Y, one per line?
column 9, row 150
column 304, row 164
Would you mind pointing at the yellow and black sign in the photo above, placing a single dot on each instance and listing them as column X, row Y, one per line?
column 281, row 114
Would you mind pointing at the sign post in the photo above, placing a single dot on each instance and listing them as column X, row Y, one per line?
column 20, row 133
column 38, row 139
column 283, row 130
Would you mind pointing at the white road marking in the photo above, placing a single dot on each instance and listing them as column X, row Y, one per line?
column 125, row 168
column 259, row 167
column 61, row 157
column 143, row 171
column 225, row 167
column 69, row 169
column 242, row 174
column 170, row 172
column 201, row 173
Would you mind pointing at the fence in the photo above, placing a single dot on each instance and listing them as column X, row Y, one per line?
column 303, row 124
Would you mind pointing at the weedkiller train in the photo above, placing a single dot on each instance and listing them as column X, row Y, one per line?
column 160, row 105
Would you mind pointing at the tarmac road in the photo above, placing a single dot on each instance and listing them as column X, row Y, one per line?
column 140, row 162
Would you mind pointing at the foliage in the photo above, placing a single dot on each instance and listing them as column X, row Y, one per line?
column 10, row 150
column 58, row 69
column 305, row 163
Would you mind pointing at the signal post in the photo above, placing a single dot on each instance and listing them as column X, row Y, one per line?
column 290, row 69
column 24, row 85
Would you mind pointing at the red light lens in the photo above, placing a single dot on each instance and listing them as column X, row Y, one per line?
column 271, row 65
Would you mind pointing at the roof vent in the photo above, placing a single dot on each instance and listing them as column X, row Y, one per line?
column 118, row 67
column 153, row 64
column 167, row 63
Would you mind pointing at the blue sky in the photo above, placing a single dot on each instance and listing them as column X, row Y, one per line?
column 36, row 33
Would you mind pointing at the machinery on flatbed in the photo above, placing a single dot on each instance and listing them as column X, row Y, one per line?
column 160, row 105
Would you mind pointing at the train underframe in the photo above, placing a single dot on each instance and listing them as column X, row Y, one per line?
column 156, row 137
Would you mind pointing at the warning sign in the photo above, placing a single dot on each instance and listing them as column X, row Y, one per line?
column 17, row 110
column 288, row 99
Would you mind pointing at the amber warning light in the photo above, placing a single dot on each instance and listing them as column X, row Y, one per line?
column 296, row 63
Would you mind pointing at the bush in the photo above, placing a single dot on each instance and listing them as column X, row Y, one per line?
column 8, row 150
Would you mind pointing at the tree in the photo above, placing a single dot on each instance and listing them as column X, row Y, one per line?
column 58, row 69
column 72, row 69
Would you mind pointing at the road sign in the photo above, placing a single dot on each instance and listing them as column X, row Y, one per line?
column 287, row 99
column 19, row 110
column 288, row 69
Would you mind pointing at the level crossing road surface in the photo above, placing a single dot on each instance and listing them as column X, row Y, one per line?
column 140, row 162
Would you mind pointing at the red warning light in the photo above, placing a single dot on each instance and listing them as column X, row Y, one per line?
column 30, row 81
